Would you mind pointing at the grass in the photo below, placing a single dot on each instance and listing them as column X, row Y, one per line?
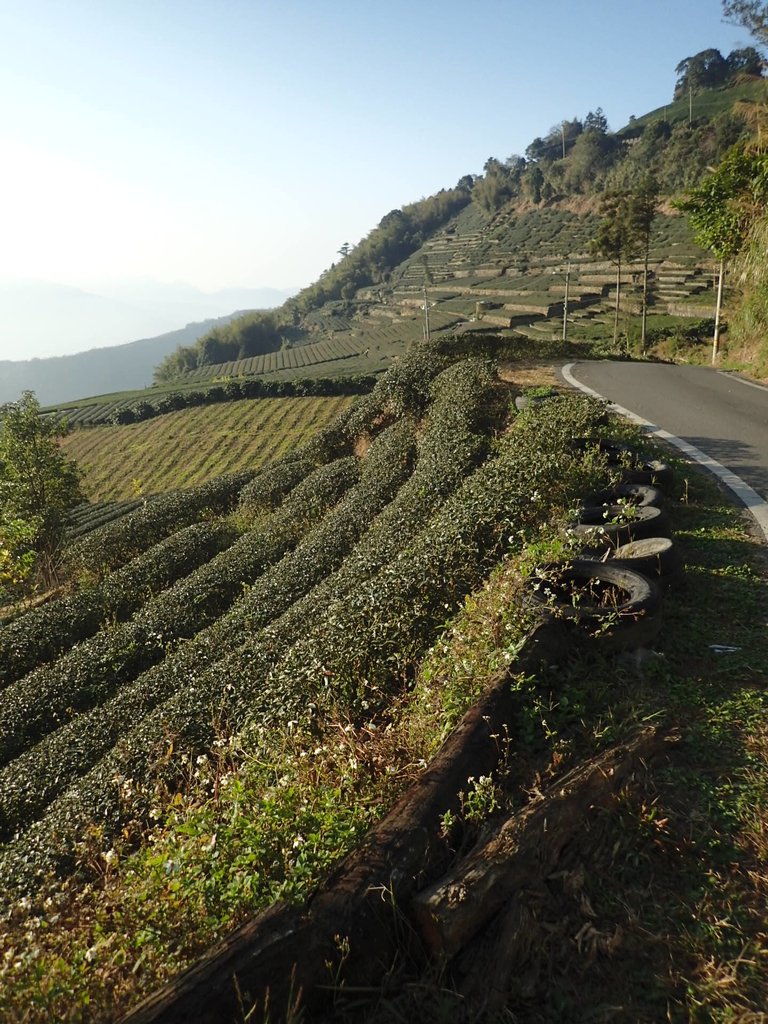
column 668, row 893
column 708, row 103
column 194, row 445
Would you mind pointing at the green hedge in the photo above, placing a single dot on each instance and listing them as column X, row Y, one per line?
column 89, row 673
column 118, row 542
column 36, row 777
column 43, row 633
column 448, row 449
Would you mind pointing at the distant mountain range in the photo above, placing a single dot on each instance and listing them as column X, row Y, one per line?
column 98, row 371
column 95, row 323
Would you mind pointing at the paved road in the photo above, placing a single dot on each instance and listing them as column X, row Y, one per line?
column 719, row 414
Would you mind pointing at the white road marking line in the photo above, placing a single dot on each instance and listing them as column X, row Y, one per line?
column 749, row 497
column 740, row 380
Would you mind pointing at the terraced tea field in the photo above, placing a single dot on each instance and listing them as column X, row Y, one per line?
column 309, row 606
column 188, row 447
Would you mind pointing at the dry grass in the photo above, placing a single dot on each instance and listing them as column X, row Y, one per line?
column 532, row 374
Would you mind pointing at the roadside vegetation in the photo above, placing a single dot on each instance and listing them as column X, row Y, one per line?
column 316, row 617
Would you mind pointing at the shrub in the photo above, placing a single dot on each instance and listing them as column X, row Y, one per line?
column 116, row 543
column 43, row 633
column 92, row 671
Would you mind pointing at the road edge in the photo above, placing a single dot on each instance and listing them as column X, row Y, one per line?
column 754, row 503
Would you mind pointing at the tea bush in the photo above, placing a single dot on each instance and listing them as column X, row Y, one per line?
column 92, row 670
column 43, row 633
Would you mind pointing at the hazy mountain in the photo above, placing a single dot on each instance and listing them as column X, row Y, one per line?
column 97, row 371
column 100, row 327
column 44, row 319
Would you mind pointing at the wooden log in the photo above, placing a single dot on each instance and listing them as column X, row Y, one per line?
column 505, row 956
column 526, row 848
column 349, row 931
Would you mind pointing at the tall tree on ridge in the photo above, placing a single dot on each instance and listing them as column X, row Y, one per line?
column 616, row 240
column 643, row 206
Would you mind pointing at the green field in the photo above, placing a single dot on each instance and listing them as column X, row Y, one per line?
column 708, row 103
column 190, row 446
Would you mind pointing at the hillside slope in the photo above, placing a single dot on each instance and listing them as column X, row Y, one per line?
column 495, row 251
column 225, row 704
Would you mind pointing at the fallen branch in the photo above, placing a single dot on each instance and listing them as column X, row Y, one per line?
column 527, row 847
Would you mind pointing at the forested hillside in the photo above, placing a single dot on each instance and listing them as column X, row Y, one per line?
column 499, row 237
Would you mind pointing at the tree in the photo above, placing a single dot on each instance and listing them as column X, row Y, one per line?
column 751, row 15
column 722, row 209
column 499, row 184
column 643, row 206
column 705, row 70
column 39, row 485
column 616, row 240
column 534, row 182
column 17, row 558
column 590, row 158
column 596, row 121
column 746, row 61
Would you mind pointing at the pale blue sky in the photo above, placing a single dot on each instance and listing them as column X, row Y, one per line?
column 239, row 143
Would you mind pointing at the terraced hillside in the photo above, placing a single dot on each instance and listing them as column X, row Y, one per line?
column 510, row 274
column 505, row 273
column 307, row 607
column 188, row 447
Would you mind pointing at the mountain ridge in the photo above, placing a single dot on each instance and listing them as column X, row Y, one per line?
column 63, row 378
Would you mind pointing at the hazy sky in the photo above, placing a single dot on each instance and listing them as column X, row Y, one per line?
column 240, row 142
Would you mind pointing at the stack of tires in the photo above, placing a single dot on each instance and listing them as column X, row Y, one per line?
column 615, row 591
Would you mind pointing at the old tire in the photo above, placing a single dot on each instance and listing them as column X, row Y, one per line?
column 655, row 557
column 615, row 452
column 629, row 494
column 653, row 472
column 594, row 525
column 612, row 604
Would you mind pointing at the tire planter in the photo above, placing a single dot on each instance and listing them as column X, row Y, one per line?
column 656, row 473
column 614, row 605
column 655, row 557
column 642, row 471
column 595, row 527
column 614, row 451
column 630, row 494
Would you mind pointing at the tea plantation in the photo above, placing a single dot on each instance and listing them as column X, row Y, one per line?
column 266, row 598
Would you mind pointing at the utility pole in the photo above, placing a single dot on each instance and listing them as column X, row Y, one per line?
column 562, row 135
column 718, row 307
column 565, row 303
column 427, row 281
column 690, row 105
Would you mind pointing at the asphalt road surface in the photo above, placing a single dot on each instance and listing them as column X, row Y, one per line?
column 718, row 413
